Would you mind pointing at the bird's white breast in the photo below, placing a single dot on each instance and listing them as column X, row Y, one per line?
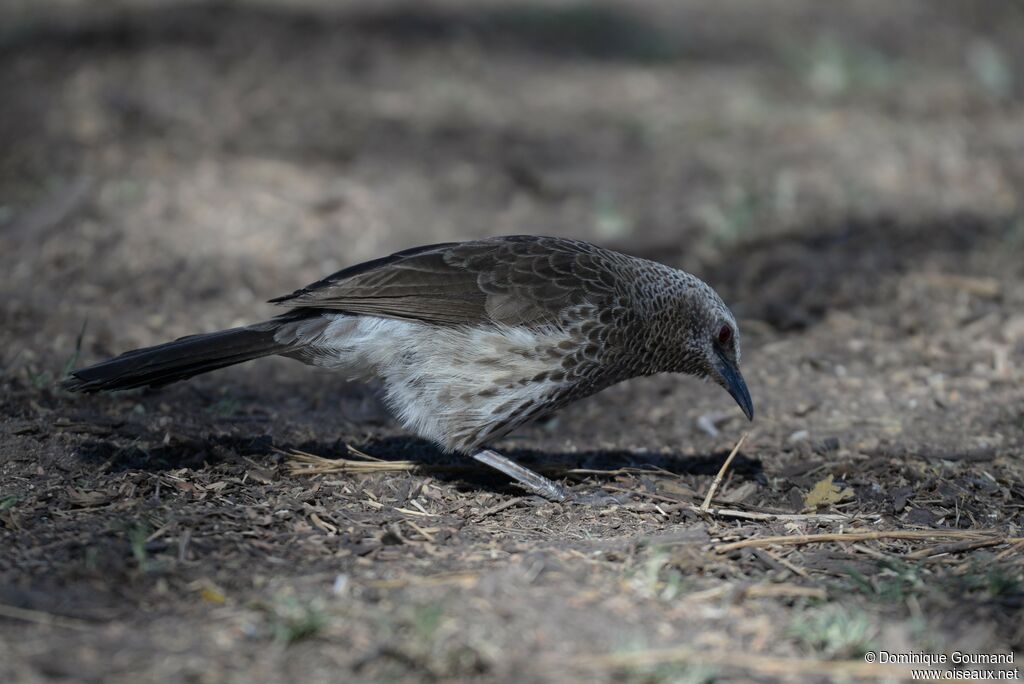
column 447, row 384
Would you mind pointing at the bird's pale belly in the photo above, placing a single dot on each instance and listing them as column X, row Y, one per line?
column 457, row 386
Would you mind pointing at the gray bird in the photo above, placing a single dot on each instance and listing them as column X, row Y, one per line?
column 474, row 339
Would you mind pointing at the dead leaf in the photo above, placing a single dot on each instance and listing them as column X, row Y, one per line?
column 260, row 475
column 211, row 594
column 825, row 493
column 741, row 493
column 330, row 529
column 671, row 487
column 82, row 498
column 182, row 485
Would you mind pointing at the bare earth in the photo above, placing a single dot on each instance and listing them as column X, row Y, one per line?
column 847, row 175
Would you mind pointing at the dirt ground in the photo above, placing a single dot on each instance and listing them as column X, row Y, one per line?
column 847, row 175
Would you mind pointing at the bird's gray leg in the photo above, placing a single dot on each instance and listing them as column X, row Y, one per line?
column 532, row 481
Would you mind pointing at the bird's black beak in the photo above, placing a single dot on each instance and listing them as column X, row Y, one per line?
column 734, row 384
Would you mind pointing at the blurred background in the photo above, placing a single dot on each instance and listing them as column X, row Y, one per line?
column 185, row 159
column 847, row 175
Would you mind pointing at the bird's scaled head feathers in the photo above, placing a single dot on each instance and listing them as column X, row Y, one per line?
column 702, row 338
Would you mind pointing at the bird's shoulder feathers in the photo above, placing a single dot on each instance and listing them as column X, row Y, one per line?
column 514, row 280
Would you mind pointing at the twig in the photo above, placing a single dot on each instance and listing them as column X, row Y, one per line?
column 409, row 511
column 966, row 545
column 498, row 507
column 41, row 618
column 461, row 578
column 800, row 539
column 305, row 463
column 781, row 517
column 422, row 532
column 754, row 591
column 183, row 542
column 678, row 505
column 874, row 553
column 1016, row 548
column 650, row 495
column 721, row 472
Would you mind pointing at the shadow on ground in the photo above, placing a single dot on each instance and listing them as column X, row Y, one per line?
column 586, row 30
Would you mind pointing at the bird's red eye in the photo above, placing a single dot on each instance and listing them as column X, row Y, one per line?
column 724, row 335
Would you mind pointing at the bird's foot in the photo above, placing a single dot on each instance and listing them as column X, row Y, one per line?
column 534, row 482
column 542, row 486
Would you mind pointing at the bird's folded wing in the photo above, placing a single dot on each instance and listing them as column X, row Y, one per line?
column 519, row 280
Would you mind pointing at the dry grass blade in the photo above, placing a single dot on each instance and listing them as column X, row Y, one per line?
column 304, row 463
column 676, row 504
column 792, row 567
column 41, row 618
column 758, row 591
column 781, row 517
column 460, row 578
column 844, row 537
column 1013, row 550
column 765, row 665
column 721, row 473
column 955, row 547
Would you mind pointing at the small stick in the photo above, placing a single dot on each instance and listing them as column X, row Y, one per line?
column 732, row 513
column 800, row 539
column 422, row 532
column 874, row 553
column 41, row 618
column 499, row 507
column 792, row 567
column 956, row 547
column 781, row 517
column 1016, row 548
column 718, row 478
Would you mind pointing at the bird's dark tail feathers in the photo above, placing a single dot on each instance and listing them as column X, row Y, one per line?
column 180, row 359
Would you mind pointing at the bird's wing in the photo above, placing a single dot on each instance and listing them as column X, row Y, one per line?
column 516, row 280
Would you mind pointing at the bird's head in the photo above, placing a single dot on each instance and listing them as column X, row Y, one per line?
column 722, row 361
column 705, row 340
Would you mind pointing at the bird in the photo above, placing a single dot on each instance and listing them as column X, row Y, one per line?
column 474, row 339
